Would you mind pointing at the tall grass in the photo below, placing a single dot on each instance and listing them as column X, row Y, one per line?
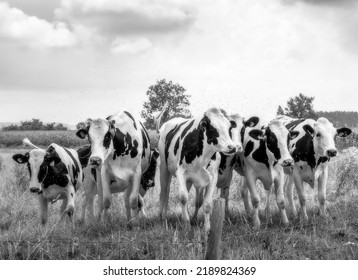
column 23, row 237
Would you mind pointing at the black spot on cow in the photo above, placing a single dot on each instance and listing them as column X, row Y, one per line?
column 186, row 129
column 29, row 168
column 148, row 177
column 124, row 145
column 72, row 194
column 193, row 144
column 274, row 163
column 301, row 167
column 134, row 122
column 211, row 132
column 322, row 160
column 242, row 133
column 292, row 125
column 222, row 165
column 248, row 148
column 53, row 175
column 235, row 160
column 272, row 143
column 176, row 147
column 93, row 172
column 75, row 167
column 145, row 142
column 304, row 150
column 260, row 154
column 169, row 138
column 107, row 140
column 84, row 154
column 251, row 122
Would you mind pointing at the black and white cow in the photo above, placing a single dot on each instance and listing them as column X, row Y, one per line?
column 311, row 151
column 90, row 185
column 265, row 155
column 227, row 164
column 55, row 174
column 120, row 152
column 186, row 147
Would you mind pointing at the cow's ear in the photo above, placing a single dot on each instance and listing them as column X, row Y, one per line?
column 19, row 158
column 309, row 129
column 82, row 133
column 204, row 123
column 112, row 128
column 343, row 132
column 294, row 134
column 251, row 122
column 257, row 134
column 155, row 153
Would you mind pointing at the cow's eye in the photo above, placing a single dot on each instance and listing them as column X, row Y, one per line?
column 318, row 134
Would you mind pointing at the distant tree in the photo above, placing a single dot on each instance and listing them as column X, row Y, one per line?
column 280, row 111
column 50, row 126
column 300, row 106
column 10, row 127
column 165, row 93
column 60, row 126
column 80, row 125
column 34, row 124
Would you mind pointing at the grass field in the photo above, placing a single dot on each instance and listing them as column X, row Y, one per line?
column 23, row 237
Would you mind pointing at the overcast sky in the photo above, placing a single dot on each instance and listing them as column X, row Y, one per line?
column 67, row 60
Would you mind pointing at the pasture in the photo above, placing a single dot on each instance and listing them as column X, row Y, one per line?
column 23, row 237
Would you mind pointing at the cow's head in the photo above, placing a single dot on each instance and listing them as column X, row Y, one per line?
column 324, row 134
column 235, row 130
column 33, row 159
column 277, row 138
column 148, row 178
column 217, row 128
column 100, row 133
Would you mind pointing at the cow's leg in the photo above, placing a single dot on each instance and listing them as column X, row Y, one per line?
column 267, row 208
column 208, row 201
column 183, row 197
column 107, row 195
column 165, row 178
column 199, row 198
column 255, row 199
column 90, row 195
column 246, row 196
column 322, row 183
column 301, row 195
column 141, row 205
column 70, row 207
column 43, row 208
column 100, row 193
column 225, row 191
column 134, row 194
column 280, row 197
column 63, row 210
column 289, row 191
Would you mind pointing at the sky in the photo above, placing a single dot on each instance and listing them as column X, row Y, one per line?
column 68, row 60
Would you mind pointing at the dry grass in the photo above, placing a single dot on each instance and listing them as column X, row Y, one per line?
column 23, row 237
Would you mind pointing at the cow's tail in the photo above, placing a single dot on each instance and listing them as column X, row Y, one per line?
column 27, row 142
column 158, row 117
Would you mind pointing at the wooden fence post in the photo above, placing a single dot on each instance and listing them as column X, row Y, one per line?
column 216, row 225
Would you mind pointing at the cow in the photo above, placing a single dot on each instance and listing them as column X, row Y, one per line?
column 265, row 155
column 186, row 146
column 55, row 174
column 90, row 185
column 227, row 164
column 120, row 152
column 311, row 151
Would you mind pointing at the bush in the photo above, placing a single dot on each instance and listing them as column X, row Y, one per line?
column 346, row 166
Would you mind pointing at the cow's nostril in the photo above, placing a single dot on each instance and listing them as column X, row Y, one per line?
column 332, row 153
column 95, row 161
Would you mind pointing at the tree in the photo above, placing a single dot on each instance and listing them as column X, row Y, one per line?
column 60, row 126
column 280, row 111
column 165, row 93
column 50, row 126
column 300, row 106
column 34, row 124
column 80, row 125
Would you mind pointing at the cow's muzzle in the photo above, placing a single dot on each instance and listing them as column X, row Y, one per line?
column 35, row 190
column 332, row 153
column 287, row 162
column 95, row 161
column 231, row 149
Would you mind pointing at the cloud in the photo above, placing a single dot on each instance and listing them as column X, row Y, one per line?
column 28, row 31
column 131, row 46
column 333, row 3
column 129, row 16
